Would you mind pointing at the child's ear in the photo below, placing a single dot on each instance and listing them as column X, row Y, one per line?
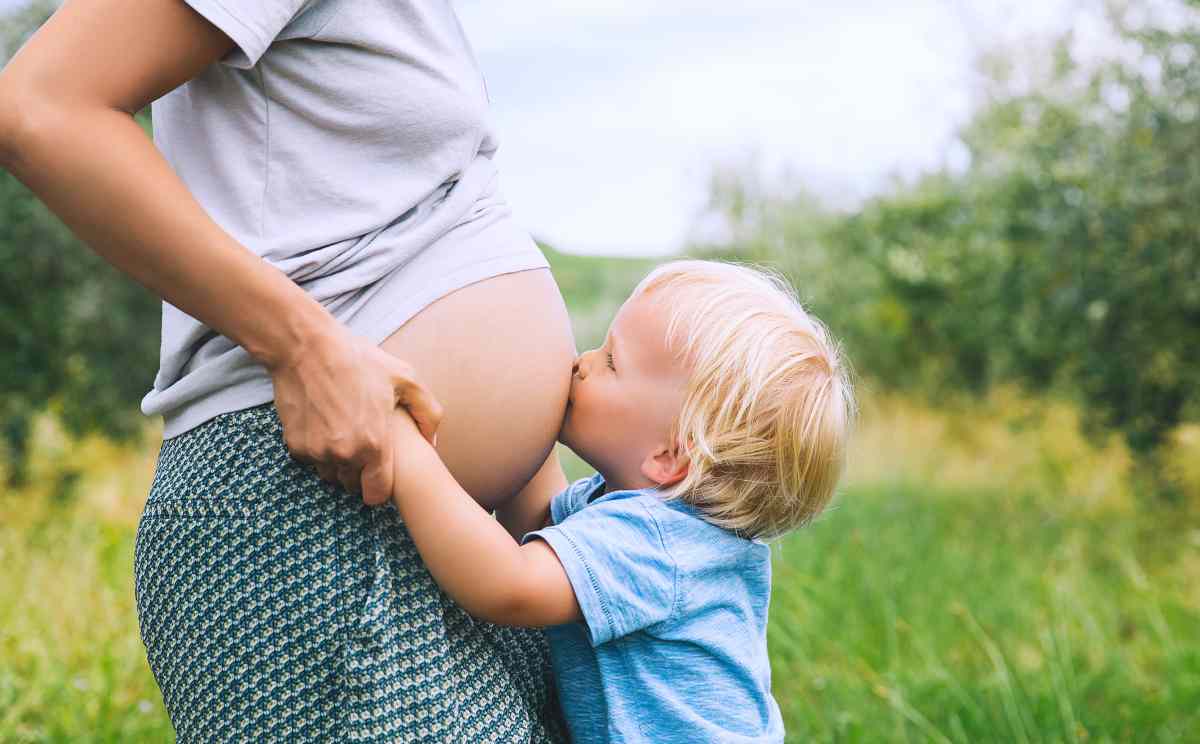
column 666, row 467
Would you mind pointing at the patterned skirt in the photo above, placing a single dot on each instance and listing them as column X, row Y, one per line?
column 276, row 607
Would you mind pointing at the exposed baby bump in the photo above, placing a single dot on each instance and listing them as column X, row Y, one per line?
column 498, row 356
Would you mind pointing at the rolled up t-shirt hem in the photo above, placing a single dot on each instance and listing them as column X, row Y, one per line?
column 376, row 327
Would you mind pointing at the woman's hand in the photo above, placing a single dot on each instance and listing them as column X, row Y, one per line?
column 337, row 399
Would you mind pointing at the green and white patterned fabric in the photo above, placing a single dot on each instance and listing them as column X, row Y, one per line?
column 276, row 607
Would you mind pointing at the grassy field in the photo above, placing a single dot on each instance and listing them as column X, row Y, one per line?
column 986, row 576
column 914, row 610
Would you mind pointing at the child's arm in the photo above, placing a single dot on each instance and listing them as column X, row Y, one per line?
column 469, row 553
column 529, row 510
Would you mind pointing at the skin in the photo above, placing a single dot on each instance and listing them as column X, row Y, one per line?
column 619, row 420
column 625, row 396
column 67, row 100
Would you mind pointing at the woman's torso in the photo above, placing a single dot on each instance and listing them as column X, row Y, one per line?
column 330, row 152
column 354, row 114
column 353, row 153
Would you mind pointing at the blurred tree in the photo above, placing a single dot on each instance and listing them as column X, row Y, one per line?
column 76, row 333
column 1065, row 257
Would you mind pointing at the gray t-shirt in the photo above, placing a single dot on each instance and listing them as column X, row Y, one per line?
column 348, row 144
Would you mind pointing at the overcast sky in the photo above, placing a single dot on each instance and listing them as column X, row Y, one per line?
column 613, row 113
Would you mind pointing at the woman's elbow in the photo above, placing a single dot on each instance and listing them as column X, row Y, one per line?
column 23, row 119
column 10, row 126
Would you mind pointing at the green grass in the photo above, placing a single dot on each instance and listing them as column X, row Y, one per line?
column 913, row 614
column 72, row 666
column 907, row 613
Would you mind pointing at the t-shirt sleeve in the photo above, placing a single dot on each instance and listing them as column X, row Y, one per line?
column 571, row 499
column 623, row 575
column 252, row 24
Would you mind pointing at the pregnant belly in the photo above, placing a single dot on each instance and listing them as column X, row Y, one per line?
column 498, row 355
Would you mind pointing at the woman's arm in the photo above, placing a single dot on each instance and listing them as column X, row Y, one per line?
column 469, row 553
column 67, row 131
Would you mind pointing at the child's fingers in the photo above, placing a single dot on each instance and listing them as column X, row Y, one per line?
column 419, row 401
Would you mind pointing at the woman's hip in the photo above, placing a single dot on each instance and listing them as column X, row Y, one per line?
column 276, row 606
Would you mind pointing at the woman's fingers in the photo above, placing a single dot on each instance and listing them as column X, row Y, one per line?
column 350, row 476
column 326, row 471
column 378, row 477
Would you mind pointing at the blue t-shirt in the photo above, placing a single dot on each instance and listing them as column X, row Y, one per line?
column 673, row 647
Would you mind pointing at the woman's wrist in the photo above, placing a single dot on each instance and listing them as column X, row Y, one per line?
column 301, row 327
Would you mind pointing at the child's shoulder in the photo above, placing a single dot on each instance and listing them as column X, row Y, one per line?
column 659, row 549
column 678, row 519
column 684, row 531
column 574, row 497
column 686, row 526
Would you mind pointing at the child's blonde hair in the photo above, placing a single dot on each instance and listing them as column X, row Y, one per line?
column 769, row 403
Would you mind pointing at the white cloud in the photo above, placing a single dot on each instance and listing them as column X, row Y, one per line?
column 612, row 113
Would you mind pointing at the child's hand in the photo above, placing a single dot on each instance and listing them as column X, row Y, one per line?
column 414, row 455
column 406, row 427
